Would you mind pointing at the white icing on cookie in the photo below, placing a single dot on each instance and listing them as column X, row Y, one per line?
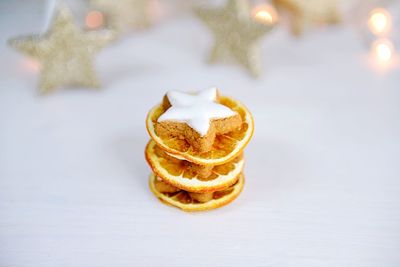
column 196, row 110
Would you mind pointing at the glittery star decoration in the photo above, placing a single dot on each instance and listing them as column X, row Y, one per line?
column 64, row 51
column 305, row 13
column 123, row 15
column 236, row 34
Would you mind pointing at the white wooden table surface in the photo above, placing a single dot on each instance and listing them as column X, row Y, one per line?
column 323, row 168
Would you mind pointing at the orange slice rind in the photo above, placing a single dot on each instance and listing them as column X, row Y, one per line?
column 226, row 146
column 183, row 201
column 174, row 173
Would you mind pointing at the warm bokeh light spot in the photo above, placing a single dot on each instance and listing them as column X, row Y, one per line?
column 265, row 14
column 379, row 21
column 94, row 19
column 31, row 65
column 383, row 50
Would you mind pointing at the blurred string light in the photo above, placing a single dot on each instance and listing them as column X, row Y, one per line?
column 379, row 24
column 94, row 20
column 379, row 21
column 382, row 50
column 265, row 14
column 31, row 65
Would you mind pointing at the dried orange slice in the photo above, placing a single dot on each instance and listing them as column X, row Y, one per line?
column 226, row 146
column 182, row 199
column 183, row 174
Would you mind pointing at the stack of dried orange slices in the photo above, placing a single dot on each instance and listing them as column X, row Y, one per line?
column 192, row 180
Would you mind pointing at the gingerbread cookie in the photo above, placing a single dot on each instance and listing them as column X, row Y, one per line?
column 196, row 118
column 205, row 128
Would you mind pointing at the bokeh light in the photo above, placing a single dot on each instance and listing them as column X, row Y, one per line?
column 265, row 14
column 383, row 50
column 94, row 19
column 379, row 21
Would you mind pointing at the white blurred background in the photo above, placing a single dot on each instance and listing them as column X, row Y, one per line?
column 323, row 170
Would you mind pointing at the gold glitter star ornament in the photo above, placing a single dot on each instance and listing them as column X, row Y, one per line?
column 236, row 34
column 65, row 52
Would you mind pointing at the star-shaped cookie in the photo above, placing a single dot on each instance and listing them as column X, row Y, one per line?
column 64, row 51
column 236, row 34
column 197, row 118
column 305, row 13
